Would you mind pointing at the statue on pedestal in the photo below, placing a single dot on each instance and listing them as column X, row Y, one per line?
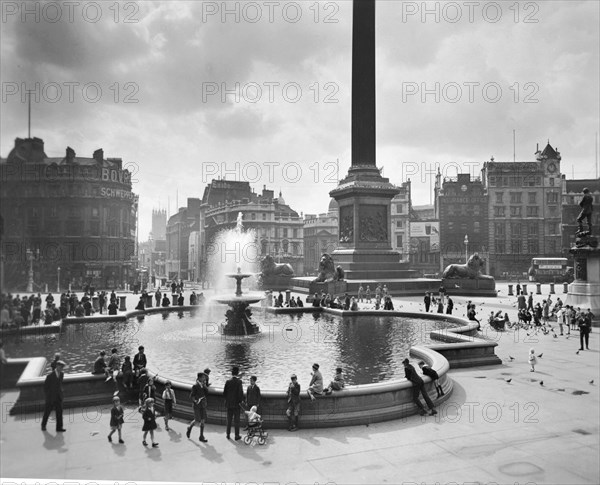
column 584, row 238
column 471, row 270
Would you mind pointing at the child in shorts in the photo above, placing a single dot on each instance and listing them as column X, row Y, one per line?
column 116, row 419
column 170, row 400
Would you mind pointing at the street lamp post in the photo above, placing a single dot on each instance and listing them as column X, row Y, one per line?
column 58, row 280
column 30, row 273
column 466, row 247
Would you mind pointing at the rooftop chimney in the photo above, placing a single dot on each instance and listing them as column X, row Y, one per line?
column 98, row 155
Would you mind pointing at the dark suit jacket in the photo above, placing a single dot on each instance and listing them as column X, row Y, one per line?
column 234, row 393
column 53, row 387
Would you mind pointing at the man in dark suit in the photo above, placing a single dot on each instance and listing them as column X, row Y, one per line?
column 234, row 395
column 54, row 396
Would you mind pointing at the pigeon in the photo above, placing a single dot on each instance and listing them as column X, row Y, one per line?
column 511, row 358
column 592, row 381
column 577, row 352
column 541, row 383
column 554, row 335
column 540, row 356
column 508, row 380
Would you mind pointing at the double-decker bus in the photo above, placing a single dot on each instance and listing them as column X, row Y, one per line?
column 548, row 270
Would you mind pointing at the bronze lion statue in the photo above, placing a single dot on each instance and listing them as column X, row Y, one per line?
column 471, row 270
column 328, row 271
column 269, row 267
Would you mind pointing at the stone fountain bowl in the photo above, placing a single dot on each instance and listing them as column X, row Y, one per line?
column 232, row 299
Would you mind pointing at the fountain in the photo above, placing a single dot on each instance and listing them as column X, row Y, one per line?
column 238, row 315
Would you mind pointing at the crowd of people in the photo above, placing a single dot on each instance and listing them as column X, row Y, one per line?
column 18, row 311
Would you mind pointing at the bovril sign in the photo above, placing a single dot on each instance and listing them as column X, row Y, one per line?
column 114, row 175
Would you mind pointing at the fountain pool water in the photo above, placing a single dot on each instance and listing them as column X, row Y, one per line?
column 369, row 349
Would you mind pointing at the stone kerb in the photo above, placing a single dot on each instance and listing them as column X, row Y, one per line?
column 360, row 404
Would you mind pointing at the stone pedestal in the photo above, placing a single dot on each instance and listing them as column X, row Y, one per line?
column 334, row 288
column 470, row 286
column 95, row 304
column 123, row 303
column 584, row 292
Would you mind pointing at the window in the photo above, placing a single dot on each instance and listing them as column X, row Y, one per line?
column 551, row 181
column 295, row 233
column 532, row 196
column 499, row 197
column 500, row 246
column 450, row 210
column 74, row 228
column 463, row 227
column 253, row 216
column 285, row 233
column 552, row 197
column 552, row 245
column 94, row 228
column 499, row 229
column 52, row 212
column 532, row 211
column 264, row 216
column 553, row 228
column 476, row 227
column 399, row 224
column 399, row 240
column 263, row 247
column 285, row 245
column 515, row 197
column 499, row 211
column 533, row 246
column 476, row 210
column 515, row 229
column 492, row 181
column 515, row 211
column 450, row 226
column 515, row 246
column 529, row 181
column 533, row 228
column 399, row 208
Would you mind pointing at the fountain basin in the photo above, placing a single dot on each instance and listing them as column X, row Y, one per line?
column 357, row 404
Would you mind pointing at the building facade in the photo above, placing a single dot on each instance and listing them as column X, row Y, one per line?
column 320, row 236
column 424, row 240
column 463, row 214
column 179, row 227
column 400, row 216
column 278, row 228
column 524, row 211
column 69, row 221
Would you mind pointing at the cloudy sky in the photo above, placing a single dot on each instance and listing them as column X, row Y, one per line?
column 185, row 92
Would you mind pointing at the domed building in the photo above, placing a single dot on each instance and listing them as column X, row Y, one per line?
column 70, row 220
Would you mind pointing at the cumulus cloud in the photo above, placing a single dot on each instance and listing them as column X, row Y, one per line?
column 158, row 107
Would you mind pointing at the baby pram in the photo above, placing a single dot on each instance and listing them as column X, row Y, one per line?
column 255, row 428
